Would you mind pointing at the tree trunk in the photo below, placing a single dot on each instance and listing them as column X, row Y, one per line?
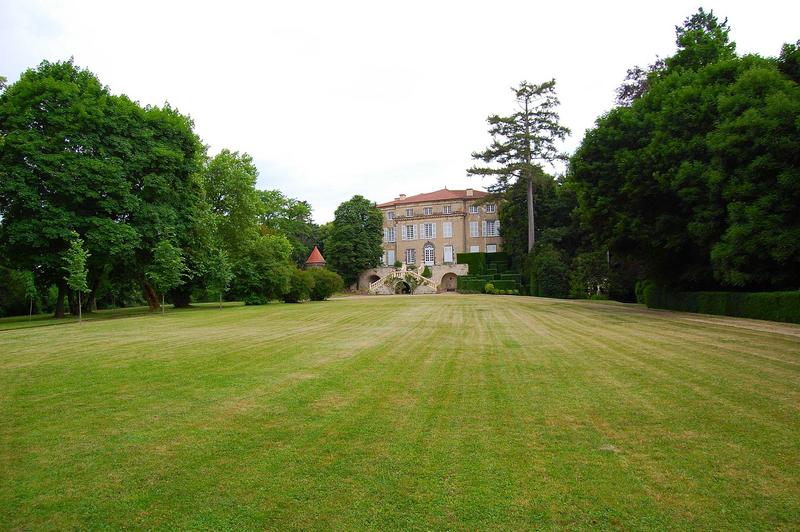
column 531, row 221
column 162, row 303
column 80, row 307
column 59, row 313
column 73, row 309
column 30, row 310
column 150, row 294
column 181, row 297
column 220, row 300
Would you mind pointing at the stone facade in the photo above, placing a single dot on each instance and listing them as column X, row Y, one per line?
column 431, row 228
column 443, row 275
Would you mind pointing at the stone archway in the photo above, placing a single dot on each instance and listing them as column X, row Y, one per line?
column 373, row 278
column 402, row 287
column 449, row 282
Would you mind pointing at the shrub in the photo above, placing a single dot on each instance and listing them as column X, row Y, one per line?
column 300, row 286
column 398, row 264
column 489, row 288
column 326, row 283
column 426, row 272
column 255, row 299
column 589, row 275
column 549, row 273
column 774, row 306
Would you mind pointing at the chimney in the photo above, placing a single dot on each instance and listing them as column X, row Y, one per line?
column 469, row 192
column 401, row 197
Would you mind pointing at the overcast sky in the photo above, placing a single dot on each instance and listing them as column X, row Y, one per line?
column 375, row 98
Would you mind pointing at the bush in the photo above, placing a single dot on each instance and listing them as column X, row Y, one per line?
column 326, row 283
column 489, row 288
column 255, row 299
column 398, row 264
column 427, row 273
column 549, row 273
column 589, row 276
column 300, row 287
column 774, row 306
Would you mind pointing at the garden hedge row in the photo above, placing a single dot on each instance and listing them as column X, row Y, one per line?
column 774, row 306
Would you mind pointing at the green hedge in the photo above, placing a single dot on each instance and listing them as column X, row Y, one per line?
column 475, row 261
column 774, row 306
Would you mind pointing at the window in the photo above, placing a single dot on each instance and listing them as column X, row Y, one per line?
column 409, row 212
column 491, row 228
column 491, row 248
column 411, row 256
column 448, row 254
column 447, row 209
column 390, row 260
column 473, row 209
column 473, row 229
column 474, row 249
column 389, row 234
column 390, row 215
column 491, row 207
column 429, row 254
column 429, row 230
column 447, row 229
column 427, row 211
column 410, row 232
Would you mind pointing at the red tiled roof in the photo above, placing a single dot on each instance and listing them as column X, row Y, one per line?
column 315, row 257
column 438, row 195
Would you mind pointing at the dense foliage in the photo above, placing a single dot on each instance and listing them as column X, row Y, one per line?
column 354, row 243
column 697, row 180
column 134, row 187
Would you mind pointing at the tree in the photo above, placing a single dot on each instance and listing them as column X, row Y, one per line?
column 229, row 181
column 30, row 291
column 355, row 239
column 300, row 286
column 75, row 259
column 290, row 217
column 167, row 270
column 263, row 271
column 694, row 184
column 522, row 142
column 326, row 283
column 220, row 273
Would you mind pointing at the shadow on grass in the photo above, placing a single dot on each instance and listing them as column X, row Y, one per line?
column 13, row 323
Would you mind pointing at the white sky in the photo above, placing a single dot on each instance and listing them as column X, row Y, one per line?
column 375, row 98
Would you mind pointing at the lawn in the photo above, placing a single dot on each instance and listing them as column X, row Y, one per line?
column 456, row 412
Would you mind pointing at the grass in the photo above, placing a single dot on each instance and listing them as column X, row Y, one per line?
column 456, row 412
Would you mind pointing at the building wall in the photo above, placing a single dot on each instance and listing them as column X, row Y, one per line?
column 460, row 217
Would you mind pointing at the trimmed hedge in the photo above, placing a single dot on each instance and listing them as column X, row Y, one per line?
column 773, row 306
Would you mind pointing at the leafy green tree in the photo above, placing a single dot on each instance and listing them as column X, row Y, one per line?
column 75, row 259
column 695, row 180
column 263, row 271
column 30, row 291
column 355, row 239
column 300, row 286
column 291, row 218
column 229, row 181
column 220, row 274
column 522, row 142
column 167, row 270
column 326, row 283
